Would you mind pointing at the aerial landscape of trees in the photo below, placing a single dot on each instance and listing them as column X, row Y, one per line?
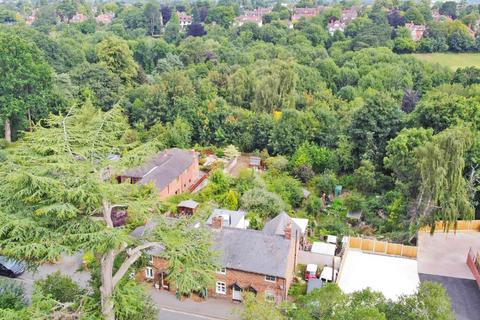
column 79, row 102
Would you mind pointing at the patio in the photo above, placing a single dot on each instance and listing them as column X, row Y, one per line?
column 445, row 254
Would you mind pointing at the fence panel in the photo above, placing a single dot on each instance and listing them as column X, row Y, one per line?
column 382, row 247
column 367, row 245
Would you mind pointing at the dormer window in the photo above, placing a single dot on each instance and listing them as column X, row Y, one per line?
column 221, row 271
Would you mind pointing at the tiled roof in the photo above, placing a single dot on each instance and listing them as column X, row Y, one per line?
column 252, row 251
column 163, row 168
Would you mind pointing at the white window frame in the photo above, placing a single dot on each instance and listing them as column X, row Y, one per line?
column 222, row 270
column 270, row 280
column 150, row 260
column 221, row 287
column 149, row 273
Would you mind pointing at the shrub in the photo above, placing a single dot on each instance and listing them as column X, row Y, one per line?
column 12, row 295
column 60, row 287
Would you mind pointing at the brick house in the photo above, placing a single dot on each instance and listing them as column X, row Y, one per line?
column 416, row 31
column 253, row 261
column 171, row 171
column 250, row 260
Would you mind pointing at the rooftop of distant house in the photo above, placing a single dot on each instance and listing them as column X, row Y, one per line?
column 230, row 218
column 163, row 168
column 277, row 225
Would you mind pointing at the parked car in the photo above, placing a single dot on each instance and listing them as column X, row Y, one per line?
column 311, row 271
column 11, row 268
column 328, row 274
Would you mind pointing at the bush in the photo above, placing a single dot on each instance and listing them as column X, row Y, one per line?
column 354, row 202
column 262, row 202
column 12, row 295
column 60, row 287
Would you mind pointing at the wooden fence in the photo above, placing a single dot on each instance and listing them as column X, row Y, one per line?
column 462, row 225
column 382, row 247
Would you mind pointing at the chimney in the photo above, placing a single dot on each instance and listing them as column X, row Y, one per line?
column 217, row 222
column 288, row 231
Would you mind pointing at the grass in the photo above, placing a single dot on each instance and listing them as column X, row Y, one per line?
column 451, row 60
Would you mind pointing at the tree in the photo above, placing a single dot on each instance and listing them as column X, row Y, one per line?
column 12, row 295
column 116, row 56
column 196, row 30
column 97, row 79
column 429, row 302
column 63, row 177
column 260, row 201
column 172, row 29
column 401, row 155
column 151, row 11
column 60, row 287
column 443, row 192
column 191, row 267
column 449, row 8
column 258, row 308
column 231, row 152
column 222, row 15
column 231, row 200
column 364, row 177
column 373, row 125
column 460, row 40
column 413, row 15
column 289, row 133
column 25, row 83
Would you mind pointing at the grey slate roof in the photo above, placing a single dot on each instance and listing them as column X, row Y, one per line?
column 163, row 168
column 464, row 294
column 252, row 251
column 188, row 204
column 277, row 225
column 233, row 216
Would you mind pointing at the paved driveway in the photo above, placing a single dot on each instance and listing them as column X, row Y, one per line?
column 306, row 257
column 445, row 254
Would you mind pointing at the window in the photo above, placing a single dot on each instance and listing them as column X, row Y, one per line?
column 221, row 287
column 270, row 278
column 149, row 272
column 222, row 270
column 269, row 296
column 150, row 260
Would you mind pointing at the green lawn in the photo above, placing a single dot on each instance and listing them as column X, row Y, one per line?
column 451, row 60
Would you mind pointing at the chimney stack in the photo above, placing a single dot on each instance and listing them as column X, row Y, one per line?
column 288, row 231
column 217, row 222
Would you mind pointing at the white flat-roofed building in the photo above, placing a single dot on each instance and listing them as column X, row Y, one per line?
column 391, row 275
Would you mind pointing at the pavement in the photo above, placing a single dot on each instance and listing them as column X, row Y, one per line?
column 170, row 308
column 445, row 254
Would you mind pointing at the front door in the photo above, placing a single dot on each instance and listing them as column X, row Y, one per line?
column 236, row 293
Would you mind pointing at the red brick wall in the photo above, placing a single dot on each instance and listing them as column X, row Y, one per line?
column 257, row 281
column 471, row 257
column 183, row 182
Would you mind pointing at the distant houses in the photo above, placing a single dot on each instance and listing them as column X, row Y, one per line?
column 184, row 19
column 348, row 15
column 305, row 13
column 105, row 18
column 416, row 31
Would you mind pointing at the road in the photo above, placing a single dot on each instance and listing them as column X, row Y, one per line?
column 170, row 314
